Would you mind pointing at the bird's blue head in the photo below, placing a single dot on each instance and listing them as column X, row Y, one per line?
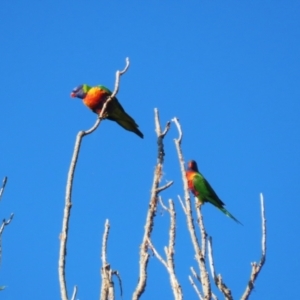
column 80, row 91
column 192, row 165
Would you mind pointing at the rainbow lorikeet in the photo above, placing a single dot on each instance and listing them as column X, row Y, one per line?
column 201, row 189
column 95, row 97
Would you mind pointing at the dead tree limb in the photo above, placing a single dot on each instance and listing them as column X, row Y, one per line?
column 4, row 222
column 169, row 263
column 202, row 230
column 107, row 285
column 206, row 286
column 144, row 255
column 217, row 278
column 4, row 181
column 256, row 267
column 68, row 197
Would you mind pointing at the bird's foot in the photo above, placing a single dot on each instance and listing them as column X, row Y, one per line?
column 198, row 204
column 104, row 116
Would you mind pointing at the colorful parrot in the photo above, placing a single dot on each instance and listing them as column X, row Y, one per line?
column 201, row 189
column 95, row 97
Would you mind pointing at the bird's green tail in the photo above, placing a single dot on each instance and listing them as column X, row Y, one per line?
column 130, row 126
column 228, row 214
column 119, row 115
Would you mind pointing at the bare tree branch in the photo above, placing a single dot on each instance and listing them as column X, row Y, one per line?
column 4, row 223
column 116, row 273
column 74, row 293
column 195, row 287
column 256, row 267
column 214, row 296
column 68, row 197
column 210, row 259
column 202, row 230
column 162, row 203
column 169, row 263
column 4, row 181
column 157, row 255
column 170, row 250
column 144, row 255
column 107, row 286
column 195, row 274
column 190, row 221
column 158, row 190
column 182, row 205
column 116, row 90
column 217, row 278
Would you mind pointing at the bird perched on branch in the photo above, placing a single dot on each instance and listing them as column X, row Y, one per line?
column 95, row 97
column 202, row 190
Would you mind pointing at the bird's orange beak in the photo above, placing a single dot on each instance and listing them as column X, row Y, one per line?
column 73, row 95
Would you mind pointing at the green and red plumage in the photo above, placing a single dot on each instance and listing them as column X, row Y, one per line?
column 202, row 190
column 95, row 97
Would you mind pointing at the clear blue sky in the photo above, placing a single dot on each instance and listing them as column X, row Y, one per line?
column 229, row 70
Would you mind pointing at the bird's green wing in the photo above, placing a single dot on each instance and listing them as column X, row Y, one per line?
column 116, row 107
column 205, row 190
column 102, row 87
column 117, row 113
column 209, row 195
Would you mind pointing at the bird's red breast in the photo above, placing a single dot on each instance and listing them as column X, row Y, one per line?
column 190, row 179
column 95, row 99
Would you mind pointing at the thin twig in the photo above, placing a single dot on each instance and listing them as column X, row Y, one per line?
column 144, row 255
column 4, row 181
column 195, row 274
column 167, row 128
column 68, row 198
column 74, row 293
column 156, row 254
column 217, row 278
column 162, row 203
column 161, row 188
column 116, row 273
column 190, row 221
column 256, row 267
column 116, row 90
column 195, row 287
column 214, row 296
column 210, row 259
column 4, row 223
column 169, row 251
column 182, row 205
